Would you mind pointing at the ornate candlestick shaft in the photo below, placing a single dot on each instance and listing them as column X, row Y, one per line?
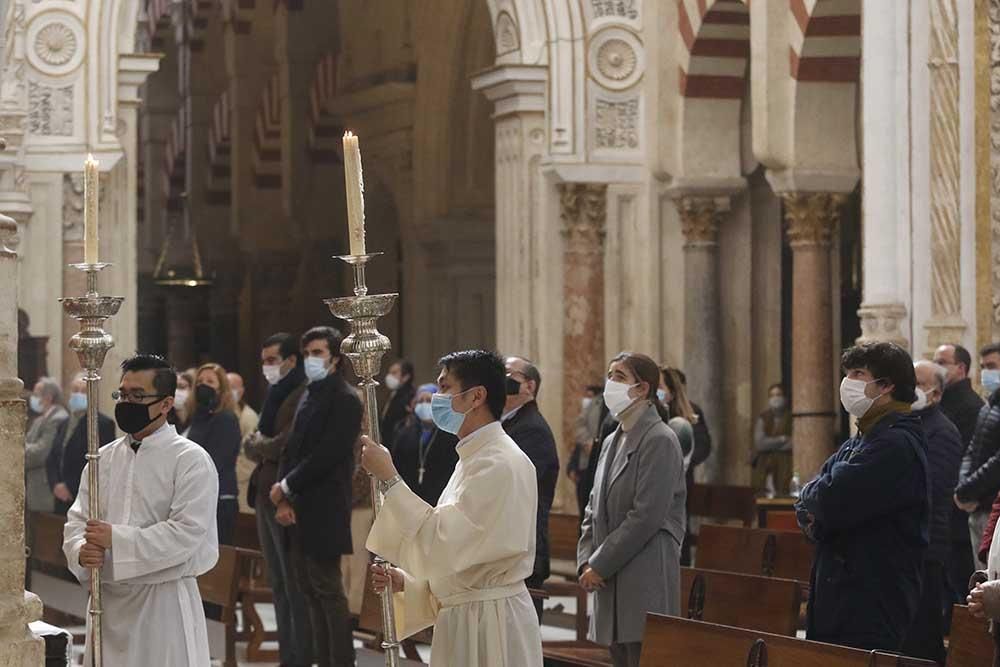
column 91, row 345
column 365, row 347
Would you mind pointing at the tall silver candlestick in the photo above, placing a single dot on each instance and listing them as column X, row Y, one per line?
column 91, row 345
column 365, row 347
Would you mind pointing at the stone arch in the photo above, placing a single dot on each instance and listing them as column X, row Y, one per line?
column 714, row 55
column 267, row 146
column 520, row 30
column 824, row 63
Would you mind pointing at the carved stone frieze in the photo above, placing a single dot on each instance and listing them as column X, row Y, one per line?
column 55, row 43
column 614, row 9
column 507, row 36
column 616, row 123
column 50, row 109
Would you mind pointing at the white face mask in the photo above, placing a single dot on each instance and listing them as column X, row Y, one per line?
column 392, row 382
column 852, row 397
column 272, row 373
column 236, row 395
column 181, row 396
column 585, row 403
column 921, row 401
column 616, row 396
column 990, row 379
column 776, row 402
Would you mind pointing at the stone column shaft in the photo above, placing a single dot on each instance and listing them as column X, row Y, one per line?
column 17, row 607
column 812, row 218
column 181, row 313
column 583, row 212
column 703, row 353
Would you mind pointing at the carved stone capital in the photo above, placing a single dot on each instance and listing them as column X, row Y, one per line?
column 812, row 217
column 583, row 211
column 882, row 322
column 700, row 219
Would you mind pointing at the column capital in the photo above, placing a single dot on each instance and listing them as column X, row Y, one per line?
column 700, row 218
column 881, row 322
column 583, row 209
column 812, row 217
column 513, row 88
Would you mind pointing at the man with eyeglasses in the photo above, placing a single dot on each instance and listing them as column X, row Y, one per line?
column 157, row 533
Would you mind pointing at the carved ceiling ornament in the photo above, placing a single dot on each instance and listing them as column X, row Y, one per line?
column 616, row 58
column 812, row 217
column 55, row 43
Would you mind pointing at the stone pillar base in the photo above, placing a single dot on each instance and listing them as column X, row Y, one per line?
column 881, row 321
column 18, row 646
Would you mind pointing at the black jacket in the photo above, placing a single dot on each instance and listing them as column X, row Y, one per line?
column 702, row 438
column 219, row 434
column 397, row 409
column 871, row 503
column 318, row 464
column 68, row 455
column 944, row 458
column 532, row 434
column 440, row 460
column 961, row 404
column 981, row 466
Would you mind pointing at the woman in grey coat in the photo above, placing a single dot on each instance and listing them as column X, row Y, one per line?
column 46, row 402
column 633, row 527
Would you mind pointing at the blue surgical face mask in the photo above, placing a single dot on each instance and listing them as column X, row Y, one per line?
column 445, row 417
column 316, row 368
column 35, row 403
column 424, row 412
column 661, row 394
column 990, row 379
column 77, row 402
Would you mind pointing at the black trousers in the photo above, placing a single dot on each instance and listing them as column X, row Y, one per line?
column 925, row 638
column 322, row 585
column 225, row 517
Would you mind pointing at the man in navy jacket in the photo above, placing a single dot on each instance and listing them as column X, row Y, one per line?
column 868, row 509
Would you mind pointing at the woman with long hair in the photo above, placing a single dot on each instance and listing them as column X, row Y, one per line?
column 633, row 527
column 215, row 426
column 682, row 415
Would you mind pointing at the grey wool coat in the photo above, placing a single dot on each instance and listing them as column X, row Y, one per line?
column 38, row 443
column 633, row 528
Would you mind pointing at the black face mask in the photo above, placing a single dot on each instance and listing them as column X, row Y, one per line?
column 513, row 386
column 134, row 417
column 206, row 397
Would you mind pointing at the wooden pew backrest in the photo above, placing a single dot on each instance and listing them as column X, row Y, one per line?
column 564, row 534
column 671, row 641
column 46, row 541
column 245, row 535
column 220, row 585
column 723, row 503
column 970, row 643
column 766, row 604
column 756, row 551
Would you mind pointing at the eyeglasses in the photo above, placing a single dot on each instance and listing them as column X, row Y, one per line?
column 134, row 396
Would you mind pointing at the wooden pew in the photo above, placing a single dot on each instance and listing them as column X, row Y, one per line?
column 254, row 589
column 722, row 503
column 564, row 534
column 671, row 642
column 220, row 586
column 758, row 551
column 45, row 544
column 765, row 604
column 970, row 643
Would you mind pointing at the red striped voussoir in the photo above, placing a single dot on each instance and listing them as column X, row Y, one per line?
column 716, row 37
column 826, row 47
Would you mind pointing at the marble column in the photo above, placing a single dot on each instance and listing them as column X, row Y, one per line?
column 886, row 206
column 18, row 645
column 946, row 324
column 812, row 218
column 703, row 353
column 583, row 213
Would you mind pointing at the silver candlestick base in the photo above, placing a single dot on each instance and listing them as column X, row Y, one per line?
column 365, row 347
column 91, row 345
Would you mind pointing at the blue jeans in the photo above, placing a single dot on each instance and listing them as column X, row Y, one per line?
column 290, row 609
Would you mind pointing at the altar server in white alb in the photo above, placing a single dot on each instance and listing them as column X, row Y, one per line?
column 158, row 500
column 462, row 564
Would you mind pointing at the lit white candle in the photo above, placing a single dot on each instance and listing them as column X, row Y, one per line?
column 354, row 182
column 90, row 186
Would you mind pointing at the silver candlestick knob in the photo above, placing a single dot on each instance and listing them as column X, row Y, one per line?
column 91, row 345
column 365, row 347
